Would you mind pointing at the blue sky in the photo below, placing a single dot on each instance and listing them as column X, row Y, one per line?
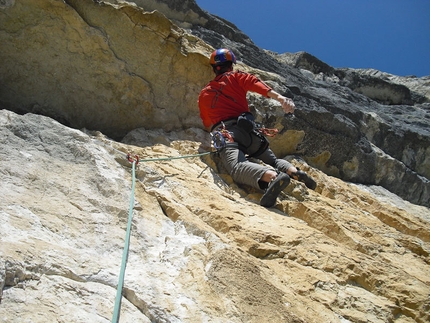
column 392, row 36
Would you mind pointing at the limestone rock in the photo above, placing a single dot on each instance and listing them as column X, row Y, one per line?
column 382, row 87
column 96, row 65
column 115, row 66
column 375, row 88
column 201, row 250
column 305, row 61
column 418, row 86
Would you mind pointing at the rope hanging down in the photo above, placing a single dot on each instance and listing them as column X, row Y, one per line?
column 117, row 308
column 218, row 141
column 135, row 161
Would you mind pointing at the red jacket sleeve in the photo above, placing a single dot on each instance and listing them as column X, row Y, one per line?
column 251, row 83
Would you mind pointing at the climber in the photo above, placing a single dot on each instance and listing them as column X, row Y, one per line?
column 224, row 109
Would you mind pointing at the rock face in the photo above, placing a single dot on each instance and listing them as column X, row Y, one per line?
column 89, row 64
column 382, row 87
column 202, row 249
column 117, row 66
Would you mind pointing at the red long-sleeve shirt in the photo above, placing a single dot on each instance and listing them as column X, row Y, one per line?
column 225, row 96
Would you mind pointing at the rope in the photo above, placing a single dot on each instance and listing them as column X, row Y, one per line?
column 117, row 308
column 130, row 159
column 177, row 157
column 135, row 160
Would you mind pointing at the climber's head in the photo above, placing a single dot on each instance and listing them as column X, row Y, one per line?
column 222, row 60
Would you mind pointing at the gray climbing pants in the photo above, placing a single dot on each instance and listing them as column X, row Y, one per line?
column 242, row 170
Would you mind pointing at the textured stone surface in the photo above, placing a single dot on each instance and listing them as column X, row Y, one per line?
column 103, row 67
column 116, row 66
column 202, row 249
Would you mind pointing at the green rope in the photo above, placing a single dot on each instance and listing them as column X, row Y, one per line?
column 117, row 309
column 178, row 157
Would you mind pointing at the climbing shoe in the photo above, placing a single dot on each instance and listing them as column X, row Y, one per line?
column 305, row 178
column 275, row 187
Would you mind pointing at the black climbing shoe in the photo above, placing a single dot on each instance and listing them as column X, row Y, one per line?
column 276, row 186
column 305, row 178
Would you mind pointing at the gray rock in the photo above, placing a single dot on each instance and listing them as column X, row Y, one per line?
column 117, row 67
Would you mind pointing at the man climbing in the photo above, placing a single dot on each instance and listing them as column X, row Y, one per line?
column 224, row 110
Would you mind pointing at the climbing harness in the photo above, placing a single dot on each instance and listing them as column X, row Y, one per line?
column 221, row 136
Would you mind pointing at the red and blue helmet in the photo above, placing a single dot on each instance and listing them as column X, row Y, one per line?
column 221, row 56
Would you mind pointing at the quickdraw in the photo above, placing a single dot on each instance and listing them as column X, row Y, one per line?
column 269, row 132
column 218, row 140
column 227, row 135
column 133, row 159
column 220, row 137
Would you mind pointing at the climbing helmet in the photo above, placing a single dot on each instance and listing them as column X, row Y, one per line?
column 221, row 56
